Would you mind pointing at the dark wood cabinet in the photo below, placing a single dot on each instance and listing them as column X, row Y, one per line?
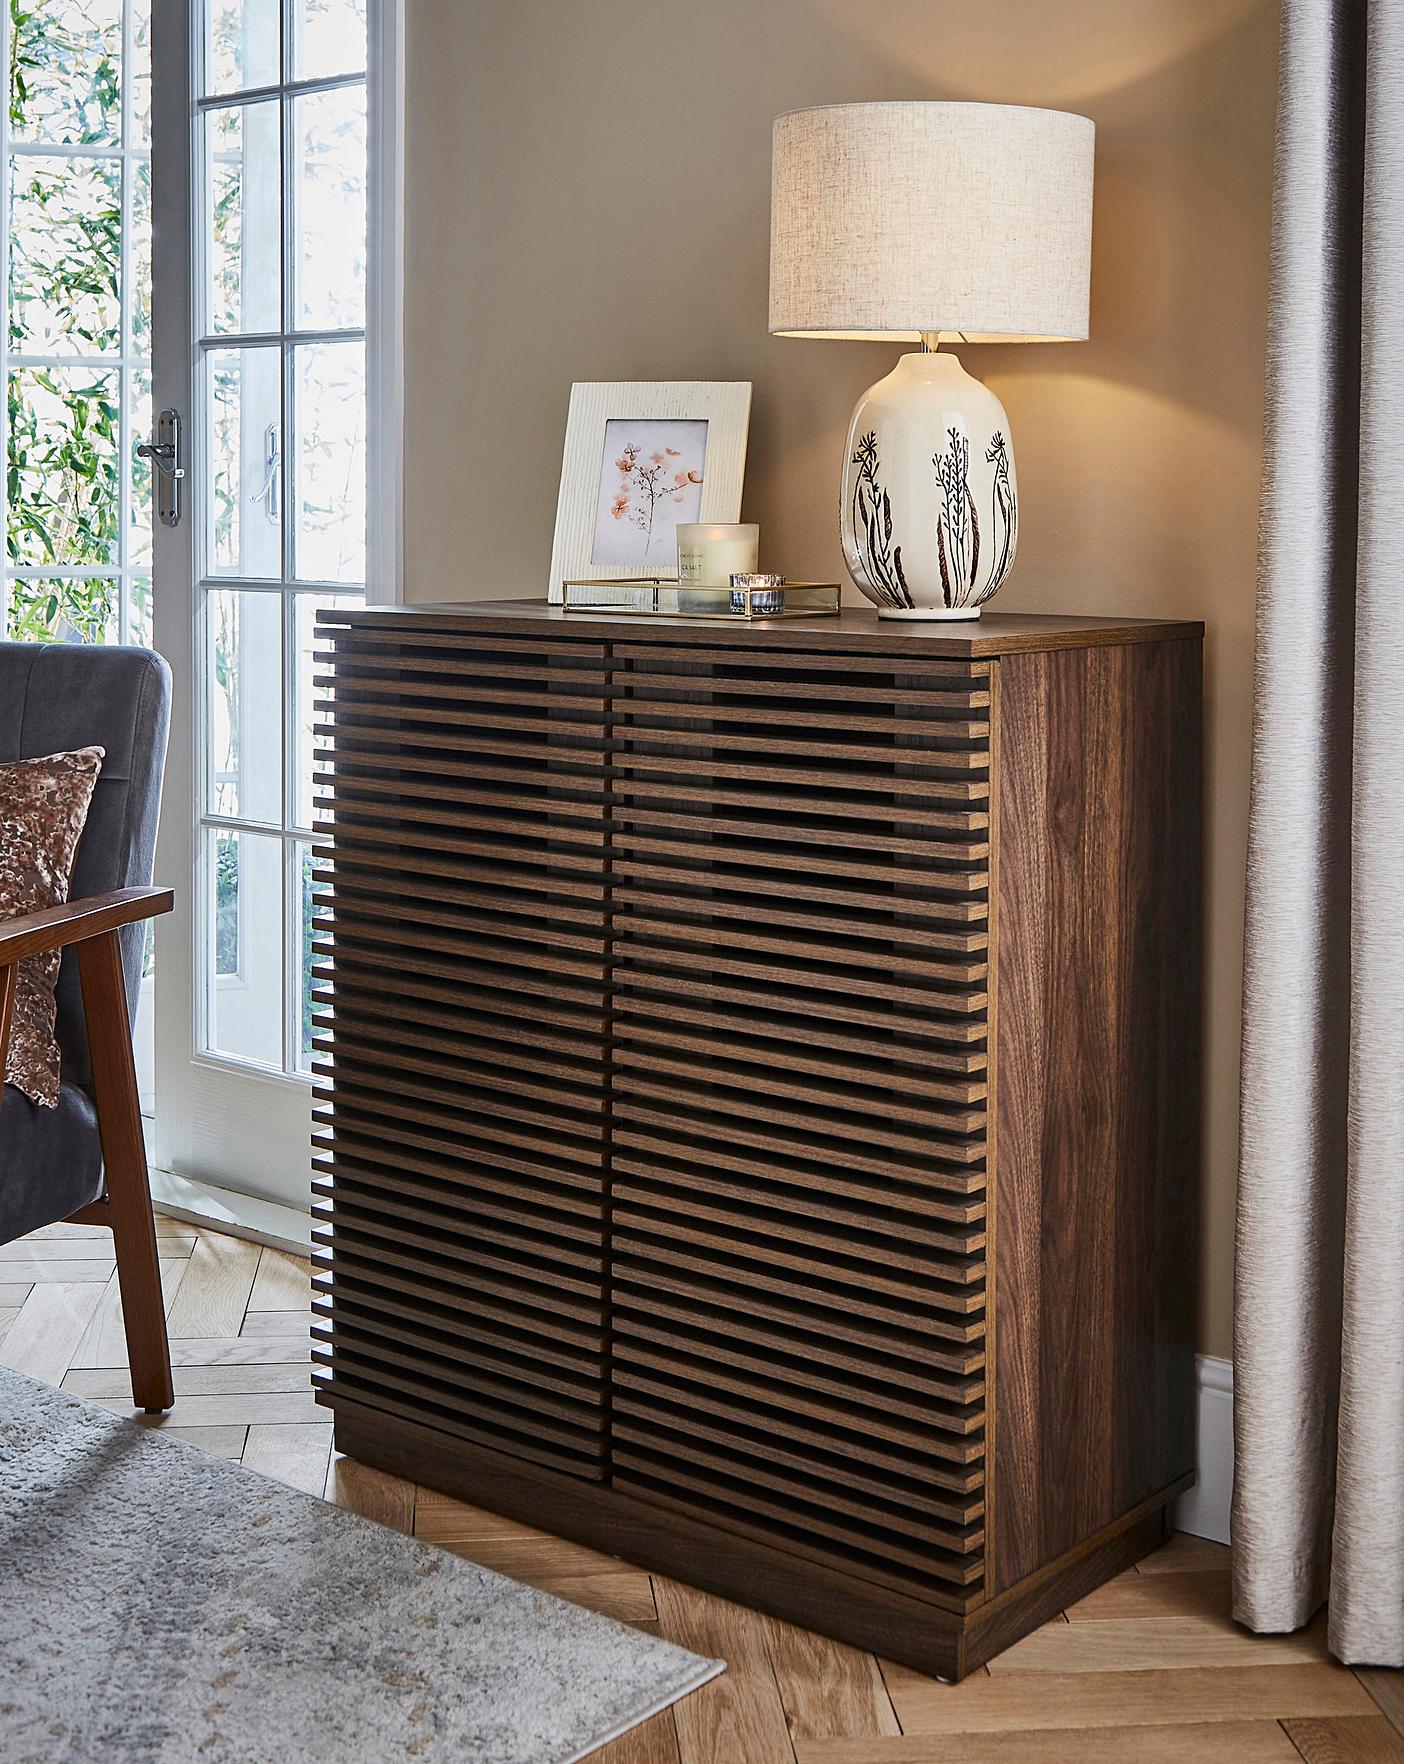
column 758, row 1105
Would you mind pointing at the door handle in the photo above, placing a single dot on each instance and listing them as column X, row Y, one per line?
column 164, row 455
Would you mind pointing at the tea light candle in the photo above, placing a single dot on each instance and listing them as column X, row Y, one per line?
column 711, row 552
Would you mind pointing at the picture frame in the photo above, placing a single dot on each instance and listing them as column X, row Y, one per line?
column 642, row 457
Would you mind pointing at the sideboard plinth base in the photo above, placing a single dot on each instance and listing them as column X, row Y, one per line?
column 938, row 1638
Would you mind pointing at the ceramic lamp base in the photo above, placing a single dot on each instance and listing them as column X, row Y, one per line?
column 929, row 515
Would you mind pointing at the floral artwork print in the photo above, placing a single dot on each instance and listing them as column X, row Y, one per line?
column 650, row 480
column 870, row 529
column 644, row 483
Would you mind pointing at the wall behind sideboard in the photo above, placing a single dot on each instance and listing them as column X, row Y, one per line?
column 588, row 199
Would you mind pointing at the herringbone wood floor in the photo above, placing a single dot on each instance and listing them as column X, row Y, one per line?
column 1150, row 1668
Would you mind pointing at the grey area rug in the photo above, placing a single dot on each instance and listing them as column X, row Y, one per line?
column 158, row 1605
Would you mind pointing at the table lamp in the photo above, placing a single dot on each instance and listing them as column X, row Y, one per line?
column 931, row 222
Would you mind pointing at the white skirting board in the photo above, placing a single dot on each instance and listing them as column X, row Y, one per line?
column 1204, row 1511
column 237, row 1215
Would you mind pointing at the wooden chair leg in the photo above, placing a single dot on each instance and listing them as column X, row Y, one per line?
column 124, row 1161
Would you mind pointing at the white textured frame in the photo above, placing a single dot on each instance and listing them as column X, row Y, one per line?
column 725, row 406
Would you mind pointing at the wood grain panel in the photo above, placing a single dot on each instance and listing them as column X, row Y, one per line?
column 1354, row 1739
column 1208, row 1742
column 1097, row 1104
column 1029, row 1701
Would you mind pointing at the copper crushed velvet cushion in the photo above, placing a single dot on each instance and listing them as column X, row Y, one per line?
column 43, row 807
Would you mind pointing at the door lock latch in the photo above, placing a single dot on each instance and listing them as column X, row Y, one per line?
column 164, row 455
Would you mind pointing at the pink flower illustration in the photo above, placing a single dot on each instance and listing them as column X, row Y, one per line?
column 645, row 484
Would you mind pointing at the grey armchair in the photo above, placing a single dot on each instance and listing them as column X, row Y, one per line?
column 86, row 1160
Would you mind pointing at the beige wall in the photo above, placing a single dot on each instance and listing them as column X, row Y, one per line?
column 588, row 200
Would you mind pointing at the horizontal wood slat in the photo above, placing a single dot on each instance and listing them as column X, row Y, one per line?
column 738, row 662
column 863, row 1039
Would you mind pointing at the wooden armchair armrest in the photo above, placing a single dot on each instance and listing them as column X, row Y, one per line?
column 77, row 920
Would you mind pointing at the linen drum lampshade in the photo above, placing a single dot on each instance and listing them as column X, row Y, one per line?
column 930, row 221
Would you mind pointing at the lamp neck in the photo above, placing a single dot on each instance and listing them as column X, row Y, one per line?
column 930, row 342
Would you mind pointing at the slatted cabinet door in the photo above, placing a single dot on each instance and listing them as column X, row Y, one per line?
column 460, row 1044
column 800, row 961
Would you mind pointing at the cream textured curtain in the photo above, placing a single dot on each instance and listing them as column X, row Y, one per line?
column 1319, row 1327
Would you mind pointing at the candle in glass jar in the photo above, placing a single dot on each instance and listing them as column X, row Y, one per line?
column 711, row 552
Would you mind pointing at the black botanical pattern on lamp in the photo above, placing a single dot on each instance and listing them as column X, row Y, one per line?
column 871, row 522
column 1004, row 519
column 957, row 525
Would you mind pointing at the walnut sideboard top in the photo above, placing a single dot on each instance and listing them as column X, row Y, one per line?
column 855, row 629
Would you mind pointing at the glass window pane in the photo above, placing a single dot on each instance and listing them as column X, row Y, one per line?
column 330, row 426
column 243, row 292
column 139, row 625
column 139, row 73
column 244, row 966
column 65, row 60
column 139, row 256
column 62, row 609
column 241, row 44
column 141, row 424
column 329, row 37
column 311, row 660
column 329, row 200
column 63, row 466
column 244, row 448
column 244, row 671
column 65, row 248
column 311, row 917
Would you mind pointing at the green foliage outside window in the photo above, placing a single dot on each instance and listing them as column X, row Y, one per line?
column 84, row 608
column 65, row 57
column 226, row 926
column 64, row 479
column 63, row 236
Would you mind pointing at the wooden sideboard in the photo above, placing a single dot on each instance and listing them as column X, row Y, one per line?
column 758, row 1117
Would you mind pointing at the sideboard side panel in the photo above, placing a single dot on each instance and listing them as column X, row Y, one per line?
column 1098, row 1089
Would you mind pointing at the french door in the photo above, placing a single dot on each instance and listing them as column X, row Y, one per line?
column 265, row 307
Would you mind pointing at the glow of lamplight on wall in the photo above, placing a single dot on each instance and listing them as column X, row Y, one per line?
column 1073, row 51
